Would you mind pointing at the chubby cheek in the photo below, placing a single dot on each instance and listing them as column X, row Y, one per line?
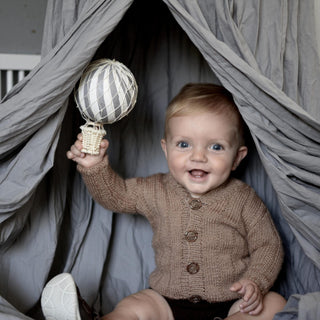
column 176, row 163
column 222, row 166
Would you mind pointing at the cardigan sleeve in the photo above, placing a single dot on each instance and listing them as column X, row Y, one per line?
column 264, row 243
column 112, row 191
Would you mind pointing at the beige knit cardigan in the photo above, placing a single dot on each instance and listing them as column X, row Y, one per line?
column 201, row 246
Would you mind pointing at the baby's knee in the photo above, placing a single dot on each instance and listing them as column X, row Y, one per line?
column 146, row 304
column 274, row 300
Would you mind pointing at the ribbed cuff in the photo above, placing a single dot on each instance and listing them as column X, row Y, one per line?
column 95, row 169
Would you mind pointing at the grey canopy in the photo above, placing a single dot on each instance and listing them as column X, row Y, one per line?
column 266, row 53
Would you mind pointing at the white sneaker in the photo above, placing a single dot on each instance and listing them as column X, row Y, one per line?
column 59, row 299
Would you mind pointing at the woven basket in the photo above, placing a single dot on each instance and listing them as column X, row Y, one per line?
column 92, row 133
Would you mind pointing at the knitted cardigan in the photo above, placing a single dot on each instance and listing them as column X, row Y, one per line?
column 202, row 246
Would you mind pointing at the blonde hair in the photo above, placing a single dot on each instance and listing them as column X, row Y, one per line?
column 204, row 97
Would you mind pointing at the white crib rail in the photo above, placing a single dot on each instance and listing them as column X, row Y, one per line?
column 13, row 68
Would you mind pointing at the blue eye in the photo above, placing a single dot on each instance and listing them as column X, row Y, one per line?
column 183, row 144
column 216, row 147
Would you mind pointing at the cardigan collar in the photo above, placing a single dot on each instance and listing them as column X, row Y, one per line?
column 211, row 196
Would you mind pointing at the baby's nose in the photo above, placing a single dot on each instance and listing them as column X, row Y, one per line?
column 198, row 154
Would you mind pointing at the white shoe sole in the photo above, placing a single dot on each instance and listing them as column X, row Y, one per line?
column 59, row 299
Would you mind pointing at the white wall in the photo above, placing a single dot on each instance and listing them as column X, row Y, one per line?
column 21, row 26
column 317, row 14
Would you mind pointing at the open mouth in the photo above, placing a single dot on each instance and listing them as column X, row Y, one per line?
column 197, row 173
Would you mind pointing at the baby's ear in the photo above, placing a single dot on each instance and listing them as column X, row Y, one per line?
column 164, row 146
column 241, row 154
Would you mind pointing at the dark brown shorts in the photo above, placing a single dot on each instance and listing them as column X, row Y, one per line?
column 202, row 310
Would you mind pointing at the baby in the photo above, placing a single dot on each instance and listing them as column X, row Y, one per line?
column 216, row 248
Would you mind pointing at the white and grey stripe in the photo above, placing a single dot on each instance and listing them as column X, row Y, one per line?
column 107, row 91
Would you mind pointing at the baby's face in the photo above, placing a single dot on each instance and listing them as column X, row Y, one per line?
column 201, row 150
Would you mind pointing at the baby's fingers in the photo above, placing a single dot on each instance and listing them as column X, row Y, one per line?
column 251, row 293
column 80, row 137
column 254, row 308
column 70, row 155
column 237, row 287
column 76, row 149
column 252, row 301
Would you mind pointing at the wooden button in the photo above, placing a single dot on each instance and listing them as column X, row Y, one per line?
column 193, row 268
column 195, row 299
column 191, row 236
column 195, row 204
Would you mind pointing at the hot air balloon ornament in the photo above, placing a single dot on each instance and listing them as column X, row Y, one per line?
column 106, row 93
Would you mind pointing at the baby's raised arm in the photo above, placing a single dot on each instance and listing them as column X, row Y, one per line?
column 84, row 159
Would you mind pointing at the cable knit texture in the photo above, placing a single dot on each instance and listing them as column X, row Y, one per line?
column 201, row 246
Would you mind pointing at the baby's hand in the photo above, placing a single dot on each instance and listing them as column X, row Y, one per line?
column 84, row 159
column 252, row 297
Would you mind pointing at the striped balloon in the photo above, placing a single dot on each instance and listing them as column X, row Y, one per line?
column 107, row 91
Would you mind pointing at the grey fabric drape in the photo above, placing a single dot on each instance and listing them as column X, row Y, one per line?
column 287, row 137
column 33, row 184
column 264, row 52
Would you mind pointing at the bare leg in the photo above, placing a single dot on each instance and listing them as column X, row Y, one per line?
column 272, row 303
column 144, row 305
